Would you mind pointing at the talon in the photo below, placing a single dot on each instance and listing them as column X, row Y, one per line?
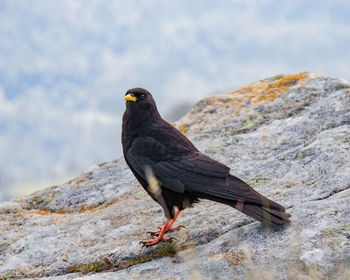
column 157, row 233
column 153, row 233
column 154, row 241
column 158, row 236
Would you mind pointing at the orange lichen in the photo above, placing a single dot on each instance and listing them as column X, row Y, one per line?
column 40, row 212
column 270, row 90
column 266, row 90
column 182, row 128
column 234, row 103
column 82, row 209
column 92, row 207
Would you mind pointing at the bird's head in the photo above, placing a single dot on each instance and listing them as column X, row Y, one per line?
column 139, row 100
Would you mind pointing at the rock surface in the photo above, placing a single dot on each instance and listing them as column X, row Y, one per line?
column 287, row 136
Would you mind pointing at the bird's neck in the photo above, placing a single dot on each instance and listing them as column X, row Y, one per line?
column 134, row 117
column 138, row 123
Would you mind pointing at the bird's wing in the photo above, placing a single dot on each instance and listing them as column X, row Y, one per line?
column 193, row 172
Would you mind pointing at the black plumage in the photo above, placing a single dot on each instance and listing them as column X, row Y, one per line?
column 153, row 148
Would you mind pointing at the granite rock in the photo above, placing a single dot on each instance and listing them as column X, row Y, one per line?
column 288, row 136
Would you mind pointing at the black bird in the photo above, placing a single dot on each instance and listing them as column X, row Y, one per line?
column 176, row 175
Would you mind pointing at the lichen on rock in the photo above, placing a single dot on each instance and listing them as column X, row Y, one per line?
column 288, row 136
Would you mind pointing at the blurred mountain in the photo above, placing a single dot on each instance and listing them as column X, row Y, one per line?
column 178, row 111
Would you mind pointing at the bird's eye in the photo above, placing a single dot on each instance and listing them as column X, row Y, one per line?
column 142, row 96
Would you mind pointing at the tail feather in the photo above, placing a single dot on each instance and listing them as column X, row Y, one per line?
column 266, row 215
column 258, row 206
column 245, row 199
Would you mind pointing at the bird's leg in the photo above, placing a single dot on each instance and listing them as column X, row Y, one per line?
column 159, row 237
column 169, row 228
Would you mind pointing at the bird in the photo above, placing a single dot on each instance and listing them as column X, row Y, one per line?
column 177, row 175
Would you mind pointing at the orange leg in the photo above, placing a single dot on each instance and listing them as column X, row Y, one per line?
column 159, row 235
column 173, row 221
column 169, row 228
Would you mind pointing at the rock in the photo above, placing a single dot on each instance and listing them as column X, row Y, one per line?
column 9, row 207
column 288, row 136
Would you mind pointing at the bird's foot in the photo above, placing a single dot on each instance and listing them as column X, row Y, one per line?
column 157, row 232
column 158, row 235
column 155, row 240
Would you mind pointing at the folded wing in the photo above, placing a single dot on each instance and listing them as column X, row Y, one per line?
column 194, row 172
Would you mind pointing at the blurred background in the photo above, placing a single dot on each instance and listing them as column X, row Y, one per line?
column 66, row 65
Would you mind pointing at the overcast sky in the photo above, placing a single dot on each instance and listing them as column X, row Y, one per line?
column 65, row 66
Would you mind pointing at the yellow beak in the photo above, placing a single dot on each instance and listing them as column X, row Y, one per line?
column 129, row 97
